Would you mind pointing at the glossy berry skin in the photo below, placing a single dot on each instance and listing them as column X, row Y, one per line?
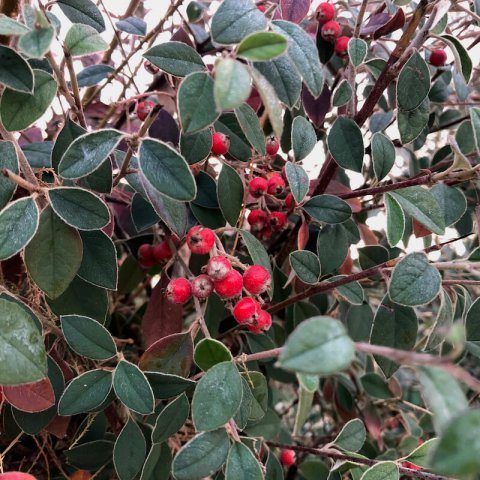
column 150, row 67
column 330, row 30
column 200, row 239
column 438, row 57
column 257, row 187
column 246, row 311
column 272, row 146
column 287, row 457
column 263, row 323
column 146, row 256
column 202, row 286
column 220, row 143
column 257, row 220
column 341, row 46
column 231, row 286
column 179, row 290
column 278, row 220
column 276, row 184
column 325, row 12
column 256, row 279
column 144, row 108
column 162, row 252
column 218, row 267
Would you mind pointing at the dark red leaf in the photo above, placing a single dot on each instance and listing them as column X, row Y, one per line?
column 165, row 128
column 419, row 230
column 303, row 235
column 31, row 397
column 294, row 10
column 375, row 22
column 395, row 23
column 317, row 108
column 58, row 426
column 182, row 36
column 337, row 188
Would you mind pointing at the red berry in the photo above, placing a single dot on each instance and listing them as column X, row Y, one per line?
column 325, row 12
column 162, row 252
column 218, row 267
column 246, row 311
column 200, row 239
column 290, row 202
column 438, row 57
column 263, row 323
column 257, row 220
column 287, row 457
column 278, row 220
column 257, row 187
column 266, row 232
column 272, row 145
column 261, row 8
column 144, row 108
column 179, row 290
column 256, row 279
column 145, row 255
column 220, row 143
column 330, row 30
column 202, row 286
column 341, row 46
column 150, row 67
column 276, row 184
column 230, row 286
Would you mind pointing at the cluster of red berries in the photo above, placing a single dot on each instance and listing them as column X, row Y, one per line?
column 221, row 144
column 150, row 255
column 228, row 283
column 331, row 29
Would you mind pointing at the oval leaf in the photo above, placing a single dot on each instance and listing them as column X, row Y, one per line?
column 129, row 451
column 306, row 266
column 171, row 419
column 304, row 138
column 15, row 72
column 297, row 180
column 230, row 194
column 242, row 464
column 413, row 83
column 328, row 208
column 262, row 46
column 232, row 84
column 84, row 40
column 383, row 155
column 345, row 143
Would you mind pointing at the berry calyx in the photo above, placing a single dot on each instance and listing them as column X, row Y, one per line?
column 257, row 220
column 150, row 67
column 230, row 286
column 257, row 187
column 162, row 252
column 200, row 239
column 263, row 323
column 325, row 12
column 256, row 279
column 202, row 286
column 145, row 255
column 278, row 220
column 330, row 30
column 218, row 267
column 276, row 184
column 246, row 311
column 179, row 290
column 220, row 143
column 341, row 46
column 287, row 457
column 144, row 108
column 290, row 202
column 438, row 57
column 272, row 145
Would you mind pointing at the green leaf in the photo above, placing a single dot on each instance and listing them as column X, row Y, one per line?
column 342, row 94
column 328, row 209
column 132, row 25
column 394, row 326
column 8, row 26
column 132, row 388
column 67, row 135
column 270, row 101
column 176, row 58
column 241, row 464
column 84, row 40
column 359, row 321
column 209, row 352
column 412, row 123
column 83, row 11
column 352, row 292
column 332, row 247
column 303, row 53
column 475, row 119
column 452, row 202
column 250, row 125
column 304, row 138
column 318, row 346
column 36, row 43
column 352, row 436
column 92, row 455
column 413, row 83
column 87, row 152
column 159, row 461
column 54, row 255
column 171, row 419
column 129, row 451
column 235, row 19
column 382, row 471
column 85, row 392
column 242, row 415
column 262, row 46
column 196, row 102
column 87, row 337
column 99, row 261
column 167, row 386
column 18, row 224
column 414, row 281
column 202, row 456
column 79, row 208
column 456, row 454
column 19, row 110
column 422, row 454
column 422, row 206
column 9, row 161
column 306, row 266
column 22, row 352
column 240, row 147
column 463, row 61
column 443, row 396
column 15, row 72
column 257, row 251
column 232, row 84
column 383, row 155
column 195, row 147
column 472, row 328
column 345, row 143
column 217, row 397
column 297, row 180
column 304, row 409
column 395, row 220
column 92, row 75
column 166, row 170
column 357, row 51
column 442, row 324
column 259, row 390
